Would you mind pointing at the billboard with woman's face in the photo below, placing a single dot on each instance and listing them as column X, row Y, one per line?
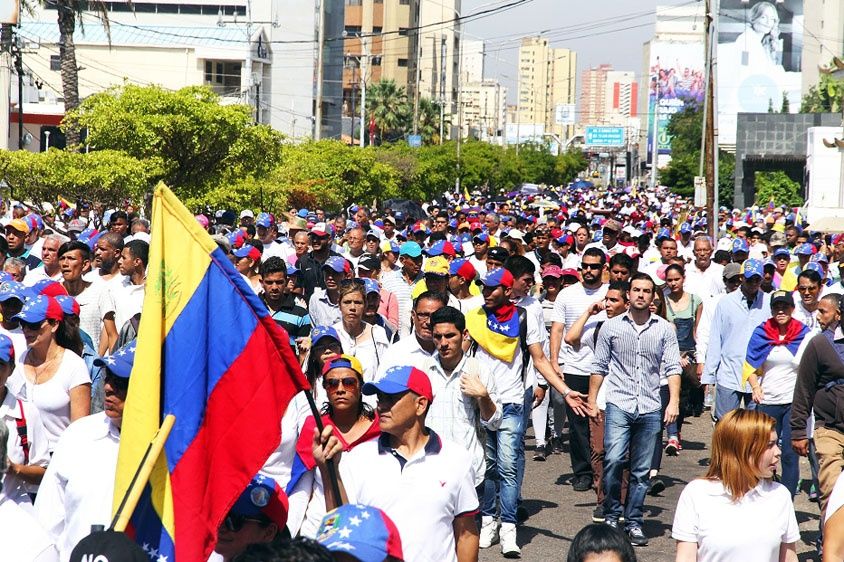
column 760, row 46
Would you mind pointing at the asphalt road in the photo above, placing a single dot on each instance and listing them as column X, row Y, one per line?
column 557, row 512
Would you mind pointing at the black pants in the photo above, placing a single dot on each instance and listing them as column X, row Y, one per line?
column 578, row 430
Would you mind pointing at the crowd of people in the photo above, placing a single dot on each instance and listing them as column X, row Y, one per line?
column 433, row 337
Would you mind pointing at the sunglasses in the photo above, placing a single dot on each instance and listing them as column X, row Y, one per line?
column 334, row 384
column 591, row 266
column 234, row 522
column 32, row 326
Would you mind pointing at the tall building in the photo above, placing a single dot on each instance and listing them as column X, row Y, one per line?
column 547, row 84
column 471, row 60
column 620, row 102
column 823, row 36
column 593, row 95
column 484, row 110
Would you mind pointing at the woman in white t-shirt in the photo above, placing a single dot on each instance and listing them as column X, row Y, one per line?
column 772, row 350
column 737, row 511
column 366, row 342
column 51, row 374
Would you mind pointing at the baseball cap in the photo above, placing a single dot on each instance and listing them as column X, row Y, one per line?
column 343, row 361
column 39, row 308
column 685, row 228
column 369, row 263
column 371, row 286
column 292, row 270
column 372, row 234
column 740, row 245
column 75, row 225
column 7, row 350
column 781, row 297
column 320, row 332
column 816, row 267
column 70, row 306
column 664, row 232
column 264, row 220
column 400, row 379
column 752, row 267
column 391, row 220
column 389, row 246
column 516, row 234
column 263, row 496
column 613, row 225
column 441, row 247
column 48, row 287
column 411, row 249
column 108, row 546
column 236, row 238
column 248, row 251
column 19, row 225
column 247, row 213
column 497, row 277
column 481, row 238
column 202, row 220
column 14, row 290
column 436, row 265
column 296, row 223
column 782, row 252
column 364, row 530
column 552, row 271
column 498, row 253
column 731, row 270
column 778, row 239
column 463, row 268
column 566, row 240
column 120, row 362
column 302, row 213
column 338, row 264
column 820, row 257
column 320, row 229
column 570, row 272
column 804, row 249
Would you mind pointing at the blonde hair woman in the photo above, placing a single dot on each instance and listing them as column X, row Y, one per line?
column 737, row 511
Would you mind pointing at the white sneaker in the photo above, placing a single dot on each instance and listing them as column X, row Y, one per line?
column 509, row 548
column 489, row 531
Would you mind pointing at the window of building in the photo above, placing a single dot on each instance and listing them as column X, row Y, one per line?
column 377, row 29
column 354, row 2
column 404, row 2
column 55, row 62
column 402, row 63
column 403, row 31
column 353, row 29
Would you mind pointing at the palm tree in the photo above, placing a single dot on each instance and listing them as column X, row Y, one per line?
column 387, row 105
column 429, row 120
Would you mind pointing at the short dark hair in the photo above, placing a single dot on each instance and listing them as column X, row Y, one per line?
column 449, row 315
column 811, row 275
column 272, row 265
column 118, row 215
column 430, row 296
column 114, row 240
column 665, row 239
column 621, row 286
column 139, row 250
column 300, row 549
column 596, row 253
column 641, row 276
column 622, row 260
column 75, row 245
column 553, row 258
column 519, row 265
column 596, row 538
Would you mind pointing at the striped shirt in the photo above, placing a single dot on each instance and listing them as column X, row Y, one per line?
column 632, row 359
column 394, row 282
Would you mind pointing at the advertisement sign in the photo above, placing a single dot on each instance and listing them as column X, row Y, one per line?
column 676, row 80
column 604, row 136
column 760, row 45
column 564, row 114
column 9, row 11
column 521, row 133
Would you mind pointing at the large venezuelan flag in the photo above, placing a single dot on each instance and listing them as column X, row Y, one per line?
column 209, row 354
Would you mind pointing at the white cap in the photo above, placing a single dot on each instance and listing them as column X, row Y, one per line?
column 516, row 234
column 247, row 213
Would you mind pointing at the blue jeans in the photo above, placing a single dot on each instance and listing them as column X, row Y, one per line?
column 503, row 450
column 790, row 466
column 637, row 433
column 727, row 400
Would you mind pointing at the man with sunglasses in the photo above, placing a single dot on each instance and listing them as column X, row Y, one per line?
column 480, row 243
column 576, row 363
column 77, row 490
column 423, row 483
column 258, row 516
column 310, row 265
column 419, row 346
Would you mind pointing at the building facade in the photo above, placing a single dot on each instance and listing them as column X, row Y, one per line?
column 547, row 83
column 484, row 110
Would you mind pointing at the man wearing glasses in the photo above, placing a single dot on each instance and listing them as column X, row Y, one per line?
column 480, row 243
column 576, row 362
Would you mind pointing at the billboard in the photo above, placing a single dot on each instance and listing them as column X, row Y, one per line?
column 9, row 11
column 760, row 45
column 676, row 79
column 564, row 114
column 604, row 136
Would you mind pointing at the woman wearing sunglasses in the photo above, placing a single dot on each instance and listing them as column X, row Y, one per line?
column 354, row 422
column 51, row 374
column 366, row 342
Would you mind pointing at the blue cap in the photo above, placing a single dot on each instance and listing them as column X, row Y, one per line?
column 816, row 267
column 120, row 362
column 400, row 379
column 804, row 249
column 685, row 228
column 740, row 245
column 496, row 277
column 482, row 237
column 14, row 290
column 398, row 215
column 338, row 264
column 263, row 496
column 363, row 530
column 264, row 220
column 411, row 249
column 247, row 251
column 302, row 214
column 320, row 332
column 782, row 252
column 820, row 257
column 664, row 232
column 292, row 270
column 7, row 350
column 40, row 308
column 752, row 267
column 371, row 286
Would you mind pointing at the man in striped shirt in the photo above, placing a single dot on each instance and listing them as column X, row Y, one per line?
column 633, row 353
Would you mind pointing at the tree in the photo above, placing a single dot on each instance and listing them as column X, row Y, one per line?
column 386, row 103
column 824, row 97
column 429, row 120
column 786, row 105
column 777, row 187
column 199, row 142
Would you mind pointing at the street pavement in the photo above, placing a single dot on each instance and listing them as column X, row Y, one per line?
column 557, row 512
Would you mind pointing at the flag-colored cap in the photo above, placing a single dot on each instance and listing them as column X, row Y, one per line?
column 338, row 264
column 48, row 287
column 782, row 252
column 816, row 267
column 7, row 350
column 400, row 379
column 264, row 220
column 69, row 305
column 263, row 496
column 752, row 267
column 40, row 308
column 389, row 246
column 441, row 247
column 497, row 277
column 14, row 290
column 804, row 249
column 248, row 251
column 236, row 238
column 364, row 532
column 342, row 361
column 462, row 268
column 120, row 362
column 371, row 286
column 740, row 245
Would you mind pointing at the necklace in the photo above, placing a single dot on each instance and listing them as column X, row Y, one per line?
column 38, row 370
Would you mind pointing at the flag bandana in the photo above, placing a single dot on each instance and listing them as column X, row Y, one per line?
column 763, row 340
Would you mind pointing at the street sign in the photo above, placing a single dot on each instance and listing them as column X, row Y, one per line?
column 700, row 191
column 415, row 141
column 604, row 136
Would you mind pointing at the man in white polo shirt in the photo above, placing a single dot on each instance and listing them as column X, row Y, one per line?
column 423, row 483
column 417, row 347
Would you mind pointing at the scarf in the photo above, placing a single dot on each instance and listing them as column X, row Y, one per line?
column 496, row 331
column 765, row 337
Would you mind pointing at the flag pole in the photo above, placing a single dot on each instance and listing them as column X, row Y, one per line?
column 329, row 463
column 139, row 480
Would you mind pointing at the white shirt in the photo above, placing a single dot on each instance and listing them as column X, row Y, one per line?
column 704, row 326
column 750, row 530
column 35, row 275
column 455, row 416
column 22, row 537
column 800, row 313
column 95, row 303
column 128, row 301
column 18, row 339
column 423, row 498
column 570, row 304
column 779, row 376
column 406, row 351
column 370, row 351
column 704, row 283
column 78, row 488
column 479, row 265
column 836, row 498
column 10, row 413
column 52, row 397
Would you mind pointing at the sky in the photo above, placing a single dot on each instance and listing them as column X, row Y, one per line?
column 581, row 25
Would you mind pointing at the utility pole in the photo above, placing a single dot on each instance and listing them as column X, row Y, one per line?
column 247, row 74
column 17, row 51
column 708, row 166
column 319, row 71
column 418, row 71
column 443, row 57
column 364, row 65
column 5, row 83
column 655, row 138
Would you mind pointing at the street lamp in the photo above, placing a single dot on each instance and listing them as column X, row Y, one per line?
column 363, row 61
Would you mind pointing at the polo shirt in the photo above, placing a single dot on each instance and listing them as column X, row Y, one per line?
column 292, row 317
column 322, row 311
column 704, row 283
column 406, row 351
column 422, row 495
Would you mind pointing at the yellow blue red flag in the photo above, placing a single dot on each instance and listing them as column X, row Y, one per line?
column 498, row 337
column 209, row 354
